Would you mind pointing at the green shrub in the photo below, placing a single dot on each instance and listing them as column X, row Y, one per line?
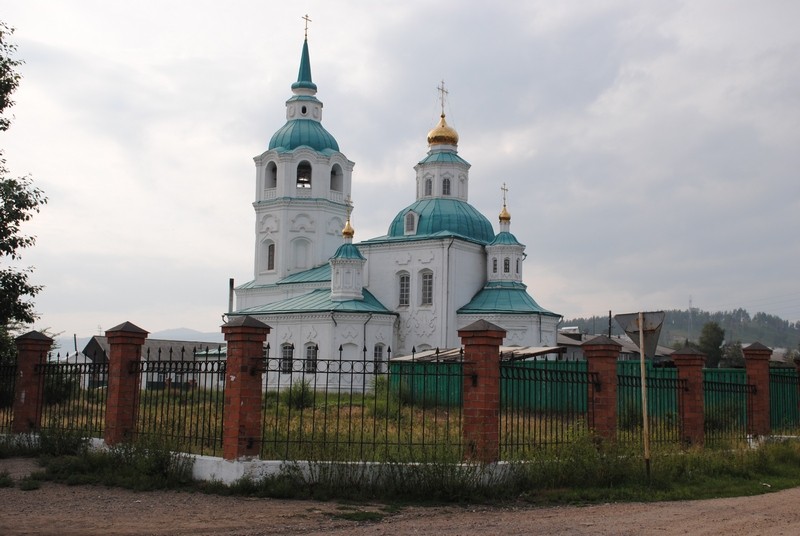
column 299, row 396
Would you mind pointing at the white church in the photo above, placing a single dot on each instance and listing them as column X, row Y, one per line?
column 440, row 266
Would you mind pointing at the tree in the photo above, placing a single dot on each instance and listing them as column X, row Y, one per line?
column 710, row 343
column 19, row 201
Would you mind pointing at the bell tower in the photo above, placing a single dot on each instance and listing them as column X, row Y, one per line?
column 302, row 182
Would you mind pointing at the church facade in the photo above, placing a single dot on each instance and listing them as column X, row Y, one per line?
column 439, row 267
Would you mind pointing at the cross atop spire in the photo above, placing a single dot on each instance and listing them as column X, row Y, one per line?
column 505, row 191
column 442, row 95
column 305, row 18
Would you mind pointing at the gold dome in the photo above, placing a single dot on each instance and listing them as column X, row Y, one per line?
column 504, row 215
column 348, row 230
column 443, row 134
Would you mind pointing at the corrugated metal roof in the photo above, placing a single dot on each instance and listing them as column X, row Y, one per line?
column 318, row 300
column 455, row 355
column 320, row 274
column 505, row 297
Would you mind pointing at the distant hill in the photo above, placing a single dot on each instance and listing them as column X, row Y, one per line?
column 681, row 324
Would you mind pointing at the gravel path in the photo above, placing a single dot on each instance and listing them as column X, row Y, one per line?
column 87, row 510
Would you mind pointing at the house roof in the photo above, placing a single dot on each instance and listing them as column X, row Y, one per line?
column 155, row 349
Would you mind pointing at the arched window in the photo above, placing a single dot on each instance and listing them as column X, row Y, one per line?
column 494, row 265
column 446, row 187
column 271, row 257
column 287, row 355
column 304, row 175
column 337, row 178
column 410, row 220
column 506, row 265
column 426, row 294
column 271, row 178
column 310, row 364
column 517, row 265
column 404, row 290
column 428, row 187
column 377, row 358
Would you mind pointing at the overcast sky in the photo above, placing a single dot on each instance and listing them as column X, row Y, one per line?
column 651, row 148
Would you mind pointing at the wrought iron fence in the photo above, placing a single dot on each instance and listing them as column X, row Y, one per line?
column 346, row 410
column 543, row 403
column 182, row 400
column 8, row 374
column 728, row 401
column 784, row 401
column 664, row 406
column 74, row 398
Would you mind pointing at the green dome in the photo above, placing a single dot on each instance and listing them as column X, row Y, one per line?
column 303, row 132
column 444, row 217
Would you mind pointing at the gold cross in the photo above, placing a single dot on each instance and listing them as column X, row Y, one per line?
column 505, row 191
column 305, row 17
column 442, row 94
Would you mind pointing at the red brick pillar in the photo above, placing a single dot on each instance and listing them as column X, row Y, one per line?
column 125, row 350
column 690, row 363
column 481, row 390
column 602, row 354
column 756, row 362
column 241, row 434
column 32, row 350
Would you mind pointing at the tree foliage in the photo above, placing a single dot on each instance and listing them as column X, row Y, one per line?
column 19, row 201
column 9, row 77
column 711, row 338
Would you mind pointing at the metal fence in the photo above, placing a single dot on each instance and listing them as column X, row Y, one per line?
column 183, row 402
column 784, row 401
column 728, row 401
column 351, row 411
column 543, row 403
column 75, row 397
column 664, row 406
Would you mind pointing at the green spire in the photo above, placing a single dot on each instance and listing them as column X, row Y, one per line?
column 304, row 75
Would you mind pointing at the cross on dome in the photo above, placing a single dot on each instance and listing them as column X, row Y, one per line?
column 305, row 18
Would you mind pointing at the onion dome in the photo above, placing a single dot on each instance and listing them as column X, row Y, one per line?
column 348, row 230
column 504, row 215
column 443, row 134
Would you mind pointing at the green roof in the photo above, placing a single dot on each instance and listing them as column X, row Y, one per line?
column 443, row 156
column 444, row 217
column 348, row 251
column 303, row 132
column 318, row 301
column 505, row 297
column 505, row 238
column 304, row 74
column 319, row 274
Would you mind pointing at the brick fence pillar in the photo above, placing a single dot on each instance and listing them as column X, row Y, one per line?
column 241, row 434
column 125, row 343
column 602, row 354
column 756, row 362
column 690, row 363
column 480, row 428
column 32, row 350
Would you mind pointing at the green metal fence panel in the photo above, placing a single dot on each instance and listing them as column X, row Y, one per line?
column 663, row 402
column 554, row 388
column 727, row 397
column 427, row 382
column 784, row 401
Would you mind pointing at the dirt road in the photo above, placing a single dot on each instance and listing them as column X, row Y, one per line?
column 87, row 510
